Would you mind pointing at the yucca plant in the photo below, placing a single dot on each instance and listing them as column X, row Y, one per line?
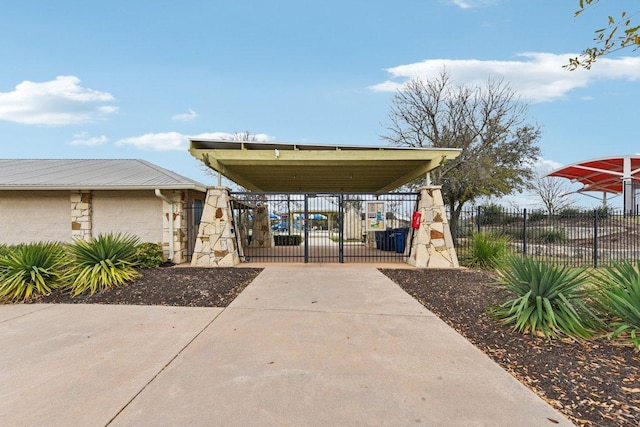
column 488, row 250
column 618, row 299
column 106, row 261
column 544, row 298
column 34, row 268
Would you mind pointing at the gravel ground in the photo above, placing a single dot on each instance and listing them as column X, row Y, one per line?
column 594, row 384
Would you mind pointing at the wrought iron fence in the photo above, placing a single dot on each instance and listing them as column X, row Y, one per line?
column 577, row 238
column 328, row 227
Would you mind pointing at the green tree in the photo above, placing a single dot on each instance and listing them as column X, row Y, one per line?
column 618, row 34
column 489, row 124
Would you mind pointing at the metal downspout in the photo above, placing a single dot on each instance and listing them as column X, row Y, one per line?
column 171, row 223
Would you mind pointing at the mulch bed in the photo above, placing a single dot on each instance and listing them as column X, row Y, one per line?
column 593, row 384
column 172, row 286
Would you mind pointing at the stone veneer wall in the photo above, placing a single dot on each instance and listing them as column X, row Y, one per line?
column 81, row 215
column 432, row 242
column 216, row 241
column 179, row 237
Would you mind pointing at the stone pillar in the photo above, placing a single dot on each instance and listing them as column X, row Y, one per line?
column 261, row 236
column 81, row 215
column 216, row 242
column 432, row 243
column 352, row 223
column 179, row 199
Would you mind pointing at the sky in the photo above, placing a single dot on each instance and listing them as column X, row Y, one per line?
column 136, row 79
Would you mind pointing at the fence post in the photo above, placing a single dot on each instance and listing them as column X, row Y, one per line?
column 524, row 232
column 478, row 221
column 595, row 238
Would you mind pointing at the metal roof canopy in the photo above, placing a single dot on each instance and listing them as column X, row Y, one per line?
column 608, row 175
column 267, row 166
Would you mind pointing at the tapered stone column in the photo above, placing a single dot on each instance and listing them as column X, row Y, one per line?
column 216, row 242
column 432, row 243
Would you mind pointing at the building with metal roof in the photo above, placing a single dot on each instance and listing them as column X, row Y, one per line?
column 67, row 199
column 90, row 174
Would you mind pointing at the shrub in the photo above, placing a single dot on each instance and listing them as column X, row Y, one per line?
column 104, row 262
column 544, row 297
column 537, row 216
column 571, row 213
column 618, row 299
column 149, row 255
column 548, row 236
column 287, row 240
column 33, row 268
column 488, row 250
column 493, row 214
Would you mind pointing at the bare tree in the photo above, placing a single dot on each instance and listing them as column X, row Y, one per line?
column 489, row 124
column 244, row 136
column 552, row 192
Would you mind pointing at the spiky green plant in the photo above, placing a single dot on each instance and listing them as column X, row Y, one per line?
column 544, row 297
column 618, row 299
column 488, row 250
column 34, row 268
column 106, row 261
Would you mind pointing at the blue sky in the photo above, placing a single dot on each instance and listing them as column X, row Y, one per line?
column 134, row 79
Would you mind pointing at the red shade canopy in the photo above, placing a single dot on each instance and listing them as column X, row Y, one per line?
column 606, row 174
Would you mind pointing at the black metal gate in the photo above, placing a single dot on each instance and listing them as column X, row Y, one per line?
column 325, row 228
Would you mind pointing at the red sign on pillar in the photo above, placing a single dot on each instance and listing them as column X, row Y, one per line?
column 415, row 220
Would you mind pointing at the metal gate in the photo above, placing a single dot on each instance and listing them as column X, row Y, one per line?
column 325, row 228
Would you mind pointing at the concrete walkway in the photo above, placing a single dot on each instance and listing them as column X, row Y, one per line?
column 301, row 346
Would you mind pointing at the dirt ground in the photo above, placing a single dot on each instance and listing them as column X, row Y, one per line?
column 593, row 384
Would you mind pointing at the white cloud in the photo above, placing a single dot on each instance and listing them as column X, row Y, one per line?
column 57, row 102
column 545, row 165
column 83, row 138
column 469, row 4
column 185, row 117
column 168, row 141
column 165, row 141
column 538, row 76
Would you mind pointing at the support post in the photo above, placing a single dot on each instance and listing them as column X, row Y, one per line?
column 216, row 241
column 432, row 245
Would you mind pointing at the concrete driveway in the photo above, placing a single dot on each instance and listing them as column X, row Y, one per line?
column 301, row 346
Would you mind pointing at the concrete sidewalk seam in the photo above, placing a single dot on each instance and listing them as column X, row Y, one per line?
column 49, row 306
column 358, row 313
column 164, row 367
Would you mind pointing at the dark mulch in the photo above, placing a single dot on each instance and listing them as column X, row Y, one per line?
column 173, row 286
column 593, row 384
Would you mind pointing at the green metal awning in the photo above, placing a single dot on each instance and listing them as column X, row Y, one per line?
column 267, row 166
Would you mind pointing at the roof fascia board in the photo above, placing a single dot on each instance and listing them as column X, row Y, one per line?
column 202, row 189
column 312, row 155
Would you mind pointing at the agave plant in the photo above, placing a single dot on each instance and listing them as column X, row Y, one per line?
column 544, row 298
column 108, row 260
column 34, row 268
column 488, row 250
column 618, row 299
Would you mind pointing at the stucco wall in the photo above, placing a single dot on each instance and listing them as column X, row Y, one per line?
column 134, row 212
column 31, row 216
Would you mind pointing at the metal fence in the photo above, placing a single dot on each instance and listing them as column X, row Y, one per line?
column 325, row 228
column 577, row 238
